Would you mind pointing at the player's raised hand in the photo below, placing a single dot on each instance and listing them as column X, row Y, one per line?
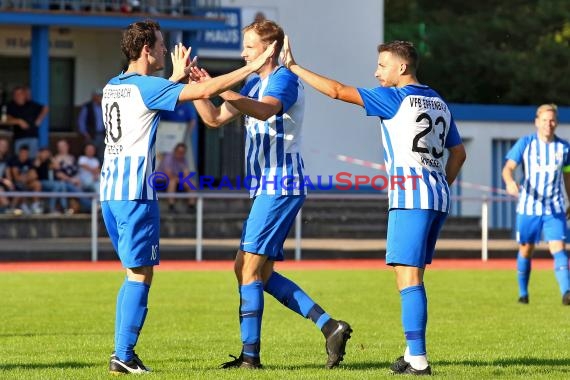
column 179, row 57
column 193, row 63
column 262, row 59
column 198, row 74
column 287, row 54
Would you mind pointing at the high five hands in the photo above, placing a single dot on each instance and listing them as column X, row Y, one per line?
column 287, row 54
column 181, row 63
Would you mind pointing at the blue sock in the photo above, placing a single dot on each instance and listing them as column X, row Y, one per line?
column 561, row 270
column 133, row 314
column 118, row 310
column 523, row 272
column 250, row 315
column 414, row 318
column 292, row 296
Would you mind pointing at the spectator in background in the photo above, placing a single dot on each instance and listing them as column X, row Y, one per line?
column 4, row 156
column 5, row 183
column 26, row 116
column 67, row 171
column 90, row 122
column 5, row 201
column 173, row 165
column 184, row 113
column 45, row 168
column 89, row 169
column 25, row 178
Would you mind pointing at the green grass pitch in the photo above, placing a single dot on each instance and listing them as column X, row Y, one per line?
column 60, row 326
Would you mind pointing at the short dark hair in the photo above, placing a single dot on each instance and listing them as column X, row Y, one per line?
column 24, row 147
column 180, row 145
column 404, row 50
column 136, row 35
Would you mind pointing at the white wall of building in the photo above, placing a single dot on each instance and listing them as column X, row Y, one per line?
column 99, row 59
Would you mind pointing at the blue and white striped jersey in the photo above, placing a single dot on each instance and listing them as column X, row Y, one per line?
column 131, row 103
column 273, row 162
column 417, row 126
column 543, row 185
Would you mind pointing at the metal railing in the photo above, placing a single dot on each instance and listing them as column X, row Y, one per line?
column 201, row 196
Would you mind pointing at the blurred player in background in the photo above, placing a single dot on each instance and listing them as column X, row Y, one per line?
column 131, row 104
column 273, row 103
column 417, row 127
column 541, row 208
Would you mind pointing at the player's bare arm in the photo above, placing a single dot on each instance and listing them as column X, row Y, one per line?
column 329, row 87
column 455, row 161
column 508, row 176
column 566, row 171
column 209, row 88
column 261, row 110
column 212, row 116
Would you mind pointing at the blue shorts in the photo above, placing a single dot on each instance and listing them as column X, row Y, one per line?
column 412, row 235
column 268, row 224
column 133, row 227
column 529, row 228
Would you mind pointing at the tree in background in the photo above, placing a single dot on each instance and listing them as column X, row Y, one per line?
column 488, row 52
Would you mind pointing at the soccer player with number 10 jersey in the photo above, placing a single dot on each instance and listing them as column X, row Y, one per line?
column 131, row 105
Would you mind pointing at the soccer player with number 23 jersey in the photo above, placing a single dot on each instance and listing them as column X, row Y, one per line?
column 417, row 127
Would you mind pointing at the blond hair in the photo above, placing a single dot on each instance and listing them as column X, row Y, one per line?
column 268, row 31
column 547, row 107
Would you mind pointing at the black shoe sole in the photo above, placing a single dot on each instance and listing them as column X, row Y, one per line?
column 417, row 372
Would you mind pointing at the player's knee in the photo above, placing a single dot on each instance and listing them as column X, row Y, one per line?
column 526, row 250
column 556, row 246
column 408, row 276
column 141, row 274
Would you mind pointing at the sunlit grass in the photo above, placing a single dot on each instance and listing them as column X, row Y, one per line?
column 60, row 326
